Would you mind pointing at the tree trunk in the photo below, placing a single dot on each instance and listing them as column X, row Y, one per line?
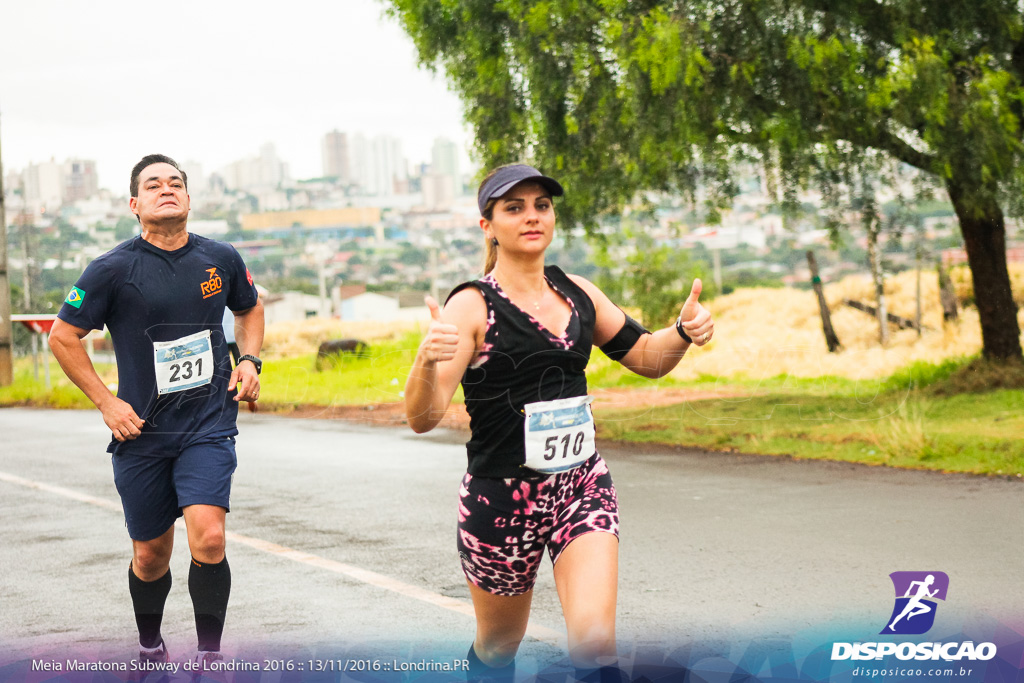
column 981, row 223
column 897, row 320
column 917, row 280
column 947, row 295
column 826, row 319
column 875, row 263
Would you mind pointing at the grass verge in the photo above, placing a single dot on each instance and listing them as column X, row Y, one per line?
column 26, row 390
column 975, row 433
column 962, row 415
column 375, row 376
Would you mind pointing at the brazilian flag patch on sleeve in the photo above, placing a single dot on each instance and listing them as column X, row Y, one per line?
column 75, row 297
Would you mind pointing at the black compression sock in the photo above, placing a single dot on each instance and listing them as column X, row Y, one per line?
column 148, row 598
column 209, row 585
column 480, row 672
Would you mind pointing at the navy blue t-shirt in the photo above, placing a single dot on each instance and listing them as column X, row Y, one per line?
column 144, row 294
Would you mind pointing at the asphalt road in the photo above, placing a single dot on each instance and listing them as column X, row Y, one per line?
column 345, row 544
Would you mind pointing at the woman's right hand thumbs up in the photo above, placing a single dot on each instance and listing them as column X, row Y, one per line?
column 442, row 339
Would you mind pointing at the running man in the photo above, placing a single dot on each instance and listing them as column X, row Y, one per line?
column 915, row 605
column 162, row 295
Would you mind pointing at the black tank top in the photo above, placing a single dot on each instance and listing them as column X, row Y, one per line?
column 521, row 362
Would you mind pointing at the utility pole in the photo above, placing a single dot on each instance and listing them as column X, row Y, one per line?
column 26, row 278
column 6, row 332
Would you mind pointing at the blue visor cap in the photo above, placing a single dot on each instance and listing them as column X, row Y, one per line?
column 508, row 177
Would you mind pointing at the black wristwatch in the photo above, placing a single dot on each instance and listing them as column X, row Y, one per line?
column 255, row 361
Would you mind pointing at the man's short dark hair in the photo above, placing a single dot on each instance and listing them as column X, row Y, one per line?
column 153, row 159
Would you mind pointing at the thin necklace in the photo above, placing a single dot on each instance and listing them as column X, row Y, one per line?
column 537, row 302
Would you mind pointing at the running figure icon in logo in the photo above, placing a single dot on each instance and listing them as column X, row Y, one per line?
column 916, row 593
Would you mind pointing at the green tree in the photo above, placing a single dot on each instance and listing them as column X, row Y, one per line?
column 617, row 96
column 654, row 278
column 412, row 256
column 658, row 280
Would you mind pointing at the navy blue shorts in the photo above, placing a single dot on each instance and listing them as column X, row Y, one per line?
column 154, row 489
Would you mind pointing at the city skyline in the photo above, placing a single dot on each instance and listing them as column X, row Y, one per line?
column 78, row 82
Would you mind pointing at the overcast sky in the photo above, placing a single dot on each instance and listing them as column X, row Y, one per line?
column 212, row 81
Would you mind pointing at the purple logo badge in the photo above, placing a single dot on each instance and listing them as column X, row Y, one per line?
column 916, row 595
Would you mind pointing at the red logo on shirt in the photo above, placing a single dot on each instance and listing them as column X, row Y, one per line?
column 213, row 285
column 248, row 275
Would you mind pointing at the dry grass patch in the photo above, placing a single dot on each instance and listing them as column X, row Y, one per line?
column 762, row 333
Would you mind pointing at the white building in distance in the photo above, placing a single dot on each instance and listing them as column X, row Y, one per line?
column 444, row 161
column 264, row 172
column 43, row 186
column 378, row 165
column 335, row 154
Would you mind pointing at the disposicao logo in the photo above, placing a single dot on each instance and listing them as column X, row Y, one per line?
column 913, row 613
column 916, row 595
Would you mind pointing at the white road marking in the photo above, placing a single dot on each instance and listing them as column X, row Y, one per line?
column 364, row 575
column 61, row 491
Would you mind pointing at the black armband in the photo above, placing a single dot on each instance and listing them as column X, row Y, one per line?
column 626, row 338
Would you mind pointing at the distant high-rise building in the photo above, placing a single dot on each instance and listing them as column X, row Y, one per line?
column 197, row 181
column 80, row 179
column 336, row 157
column 44, row 185
column 12, row 183
column 389, row 169
column 378, row 166
column 444, row 161
column 361, row 165
column 437, row 191
column 266, row 171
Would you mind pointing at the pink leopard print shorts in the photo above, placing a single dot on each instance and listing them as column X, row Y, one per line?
column 505, row 524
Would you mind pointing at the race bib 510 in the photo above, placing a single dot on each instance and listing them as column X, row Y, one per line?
column 559, row 434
